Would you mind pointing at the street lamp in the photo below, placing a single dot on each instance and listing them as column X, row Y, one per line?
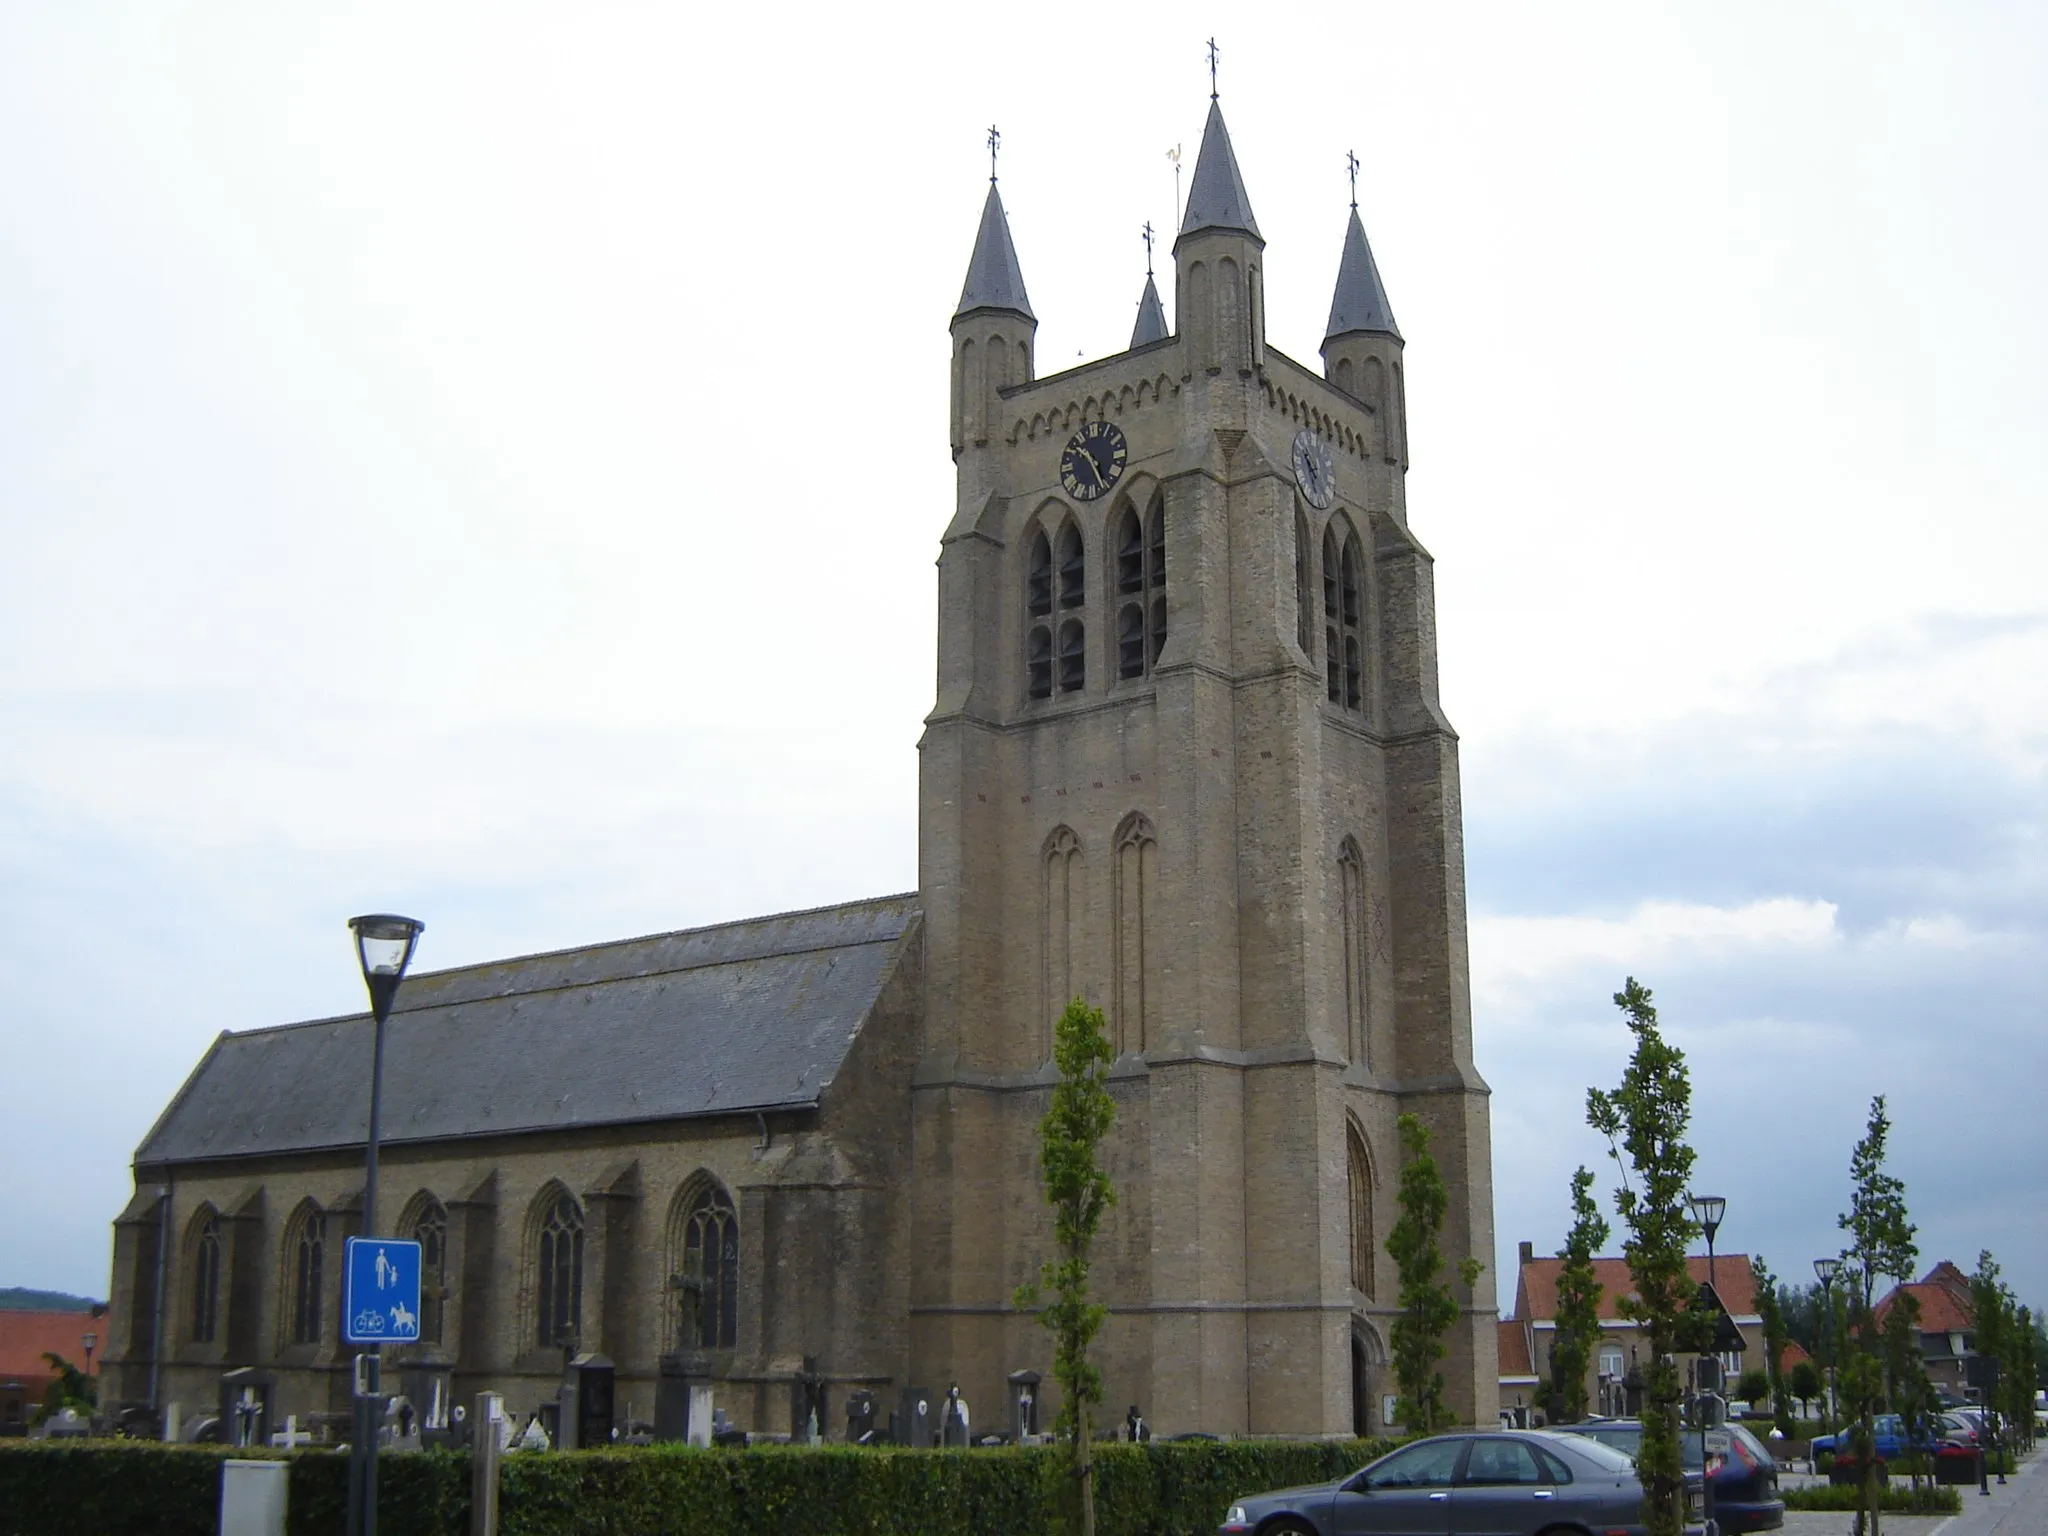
column 384, row 946
column 1708, row 1210
column 91, row 1341
column 1824, row 1271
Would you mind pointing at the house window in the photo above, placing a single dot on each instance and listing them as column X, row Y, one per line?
column 707, row 1275
column 558, row 1270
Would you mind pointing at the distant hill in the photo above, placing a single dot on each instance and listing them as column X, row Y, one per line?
column 22, row 1298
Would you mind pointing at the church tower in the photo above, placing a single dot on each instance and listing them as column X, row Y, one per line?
column 1186, row 761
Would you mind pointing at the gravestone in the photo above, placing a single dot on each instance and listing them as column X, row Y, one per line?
column 807, row 1408
column 1135, row 1428
column 291, row 1437
column 724, row 1431
column 245, row 1397
column 400, row 1430
column 535, row 1436
column 1024, row 1402
column 920, row 1422
column 702, row 1414
column 860, row 1418
column 587, row 1401
column 953, row 1429
column 431, row 1388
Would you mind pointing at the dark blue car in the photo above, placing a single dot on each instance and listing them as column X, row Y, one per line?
column 1745, row 1483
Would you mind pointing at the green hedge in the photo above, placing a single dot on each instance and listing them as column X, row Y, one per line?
column 1896, row 1499
column 137, row 1488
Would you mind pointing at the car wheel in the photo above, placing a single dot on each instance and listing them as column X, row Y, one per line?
column 1287, row 1525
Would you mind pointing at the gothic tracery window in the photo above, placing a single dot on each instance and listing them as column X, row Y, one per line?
column 704, row 1277
column 305, row 1263
column 1137, row 915
column 558, row 1269
column 1141, row 588
column 427, row 1225
column 1056, row 638
column 204, row 1269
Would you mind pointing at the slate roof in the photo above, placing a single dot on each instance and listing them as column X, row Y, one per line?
column 1536, row 1290
column 994, row 279
column 1360, row 301
column 745, row 1016
column 1216, row 196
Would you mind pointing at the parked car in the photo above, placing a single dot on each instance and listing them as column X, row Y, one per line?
column 1888, row 1435
column 1955, row 1429
column 1745, row 1480
column 1503, row 1482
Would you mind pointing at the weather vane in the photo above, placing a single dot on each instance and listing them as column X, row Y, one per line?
column 1212, row 69
column 1351, row 164
column 994, row 139
column 1148, row 247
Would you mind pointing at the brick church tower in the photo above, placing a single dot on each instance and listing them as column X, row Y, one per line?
column 1187, row 761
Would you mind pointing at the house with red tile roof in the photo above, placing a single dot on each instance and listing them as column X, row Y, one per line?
column 1534, row 1329
column 1948, row 1323
column 26, row 1338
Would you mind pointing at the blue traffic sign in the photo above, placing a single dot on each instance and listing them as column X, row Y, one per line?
column 380, row 1291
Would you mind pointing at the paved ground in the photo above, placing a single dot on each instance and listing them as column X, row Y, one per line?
column 2019, row 1508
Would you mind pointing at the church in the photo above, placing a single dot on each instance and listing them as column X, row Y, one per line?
column 1186, row 760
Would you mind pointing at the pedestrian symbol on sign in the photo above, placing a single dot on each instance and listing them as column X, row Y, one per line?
column 381, row 1291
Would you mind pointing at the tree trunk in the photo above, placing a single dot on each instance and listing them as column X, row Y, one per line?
column 1084, row 1468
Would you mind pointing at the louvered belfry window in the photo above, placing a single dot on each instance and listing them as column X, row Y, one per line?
column 1141, row 589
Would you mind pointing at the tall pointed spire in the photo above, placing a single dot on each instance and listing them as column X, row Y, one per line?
column 1360, row 303
column 1216, row 197
column 994, row 280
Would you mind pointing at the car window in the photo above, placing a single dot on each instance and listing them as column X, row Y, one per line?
column 1553, row 1466
column 1750, row 1442
column 1429, row 1464
column 1502, row 1461
column 1598, row 1451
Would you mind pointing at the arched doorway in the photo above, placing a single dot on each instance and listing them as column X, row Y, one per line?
column 1368, row 1367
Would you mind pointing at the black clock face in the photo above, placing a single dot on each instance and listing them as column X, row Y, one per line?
column 1314, row 469
column 1093, row 460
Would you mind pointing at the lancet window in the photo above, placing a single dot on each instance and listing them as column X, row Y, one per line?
column 305, row 1254
column 1359, row 1166
column 426, row 1223
column 1344, row 627
column 1056, row 637
column 1140, row 588
column 204, row 1269
column 558, row 1268
column 704, row 1267
column 1351, row 934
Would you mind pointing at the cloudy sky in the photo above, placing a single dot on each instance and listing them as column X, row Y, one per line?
column 486, row 462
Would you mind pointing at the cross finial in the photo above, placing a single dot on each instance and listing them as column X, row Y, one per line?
column 995, row 139
column 1212, row 69
column 1148, row 247
column 1351, row 164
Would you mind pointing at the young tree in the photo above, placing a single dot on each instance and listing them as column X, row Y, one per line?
column 1079, row 1192
column 69, row 1388
column 1644, row 1121
column 1578, row 1303
column 1775, row 1339
column 1427, row 1306
column 1880, row 1243
column 1806, row 1385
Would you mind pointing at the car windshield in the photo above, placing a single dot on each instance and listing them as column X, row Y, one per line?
column 1628, row 1439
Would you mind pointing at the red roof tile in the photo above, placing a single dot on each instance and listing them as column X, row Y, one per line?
column 1945, row 1302
column 1514, row 1350
column 25, row 1337
column 1536, row 1290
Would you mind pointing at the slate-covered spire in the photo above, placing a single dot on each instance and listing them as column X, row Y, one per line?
column 994, row 280
column 1360, row 303
column 1216, row 197
column 1151, row 324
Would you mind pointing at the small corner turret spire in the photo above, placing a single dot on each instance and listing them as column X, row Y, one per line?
column 994, row 279
column 1216, row 195
column 1360, row 302
column 1151, row 324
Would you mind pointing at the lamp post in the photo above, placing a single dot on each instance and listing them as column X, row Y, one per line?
column 384, row 946
column 1824, row 1271
column 91, row 1341
column 1708, row 1210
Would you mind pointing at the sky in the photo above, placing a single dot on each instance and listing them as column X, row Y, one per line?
column 487, row 461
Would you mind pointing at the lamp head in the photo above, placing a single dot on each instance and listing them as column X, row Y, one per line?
column 384, row 946
column 1824, row 1271
column 1708, row 1210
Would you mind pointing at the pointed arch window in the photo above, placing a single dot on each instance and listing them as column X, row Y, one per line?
column 558, row 1269
column 426, row 1223
column 1351, row 935
column 1055, row 648
column 1304, row 616
column 704, row 1267
column 1137, row 915
column 1359, row 1181
column 1141, row 588
column 1344, row 627
column 305, row 1263
column 204, row 1268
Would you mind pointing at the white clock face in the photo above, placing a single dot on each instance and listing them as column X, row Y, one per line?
column 1315, row 471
